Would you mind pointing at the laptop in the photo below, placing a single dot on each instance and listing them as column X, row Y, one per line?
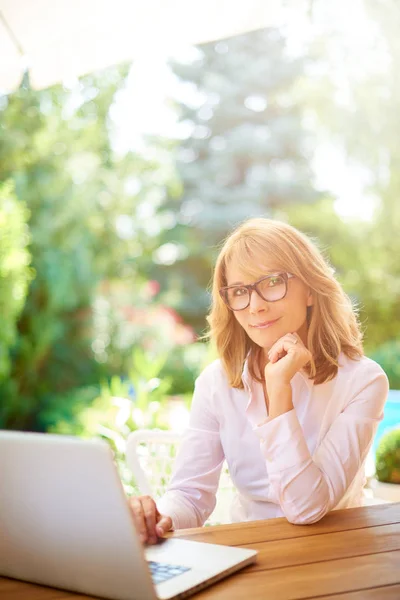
column 65, row 522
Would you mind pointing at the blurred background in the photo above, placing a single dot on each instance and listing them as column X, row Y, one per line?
column 117, row 187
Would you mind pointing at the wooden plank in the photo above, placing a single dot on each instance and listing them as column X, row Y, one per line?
column 329, row 548
column 389, row 592
column 23, row 591
column 333, row 579
column 239, row 534
column 332, row 546
column 310, row 581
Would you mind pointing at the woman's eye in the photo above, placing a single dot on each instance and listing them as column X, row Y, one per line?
column 274, row 281
column 239, row 291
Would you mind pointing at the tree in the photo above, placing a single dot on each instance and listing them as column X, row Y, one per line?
column 365, row 127
column 245, row 155
column 15, row 273
column 56, row 147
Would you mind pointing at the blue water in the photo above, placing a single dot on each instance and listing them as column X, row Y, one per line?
column 391, row 418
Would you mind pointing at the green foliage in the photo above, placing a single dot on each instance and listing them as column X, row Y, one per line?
column 15, row 273
column 364, row 129
column 56, row 149
column 388, row 356
column 184, row 364
column 140, row 399
column 49, row 158
column 123, row 405
column 62, row 411
column 388, row 457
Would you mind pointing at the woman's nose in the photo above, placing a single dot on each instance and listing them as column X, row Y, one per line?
column 257, row 303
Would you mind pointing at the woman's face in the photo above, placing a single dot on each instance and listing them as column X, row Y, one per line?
column 266, row 322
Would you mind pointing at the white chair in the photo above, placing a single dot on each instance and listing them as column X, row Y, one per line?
column 150, row 455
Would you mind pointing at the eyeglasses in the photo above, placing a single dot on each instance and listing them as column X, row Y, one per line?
column 270, row 288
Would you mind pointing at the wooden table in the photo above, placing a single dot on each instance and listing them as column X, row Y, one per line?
column 351, row 554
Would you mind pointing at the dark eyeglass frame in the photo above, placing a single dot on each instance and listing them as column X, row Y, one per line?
column 253, row 287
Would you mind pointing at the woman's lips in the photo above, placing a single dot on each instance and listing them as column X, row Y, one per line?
column 265, row 324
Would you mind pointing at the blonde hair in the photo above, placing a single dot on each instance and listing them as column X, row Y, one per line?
column 332, row 321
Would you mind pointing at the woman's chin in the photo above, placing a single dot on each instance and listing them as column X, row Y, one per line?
column 264, row 341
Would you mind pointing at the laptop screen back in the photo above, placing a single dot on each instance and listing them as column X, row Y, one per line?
column 65, row 520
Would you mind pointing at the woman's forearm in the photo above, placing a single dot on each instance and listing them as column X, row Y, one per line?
column 280, row 400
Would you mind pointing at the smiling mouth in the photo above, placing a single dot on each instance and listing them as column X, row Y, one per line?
column 264, row 325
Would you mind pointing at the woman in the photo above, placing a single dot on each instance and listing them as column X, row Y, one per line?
column 292, row 404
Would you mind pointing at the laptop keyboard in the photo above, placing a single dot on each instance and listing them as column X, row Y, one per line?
column 161, row 571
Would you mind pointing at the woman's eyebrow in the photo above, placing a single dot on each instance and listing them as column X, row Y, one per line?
column 268, row 274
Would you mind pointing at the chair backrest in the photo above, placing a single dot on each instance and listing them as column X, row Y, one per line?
column 150, row 455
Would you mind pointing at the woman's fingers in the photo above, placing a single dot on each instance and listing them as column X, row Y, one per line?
column 145, row 514
column 150, row 511
column 163, row 525
column 138, row 516
column 281, row 347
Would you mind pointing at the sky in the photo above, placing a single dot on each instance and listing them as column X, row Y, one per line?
column 142, row 108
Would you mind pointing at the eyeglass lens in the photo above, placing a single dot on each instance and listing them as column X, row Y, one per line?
column 271, row 289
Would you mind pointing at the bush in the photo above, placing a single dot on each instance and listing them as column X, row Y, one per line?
column 388, row 356
column 120, row 406
column 388, row 457
column 15, row 273
column 184, row 364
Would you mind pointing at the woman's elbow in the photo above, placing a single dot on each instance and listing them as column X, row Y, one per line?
column 306, row 514
column 307, row 517
column 307, row 509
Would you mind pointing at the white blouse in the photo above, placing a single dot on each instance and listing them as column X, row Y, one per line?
column 300, row 464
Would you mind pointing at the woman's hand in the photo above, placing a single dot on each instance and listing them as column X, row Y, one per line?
column 286, row 357
column 150, row 524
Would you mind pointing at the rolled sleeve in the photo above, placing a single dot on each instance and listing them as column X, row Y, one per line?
column 181, row 513
column 282, row 442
